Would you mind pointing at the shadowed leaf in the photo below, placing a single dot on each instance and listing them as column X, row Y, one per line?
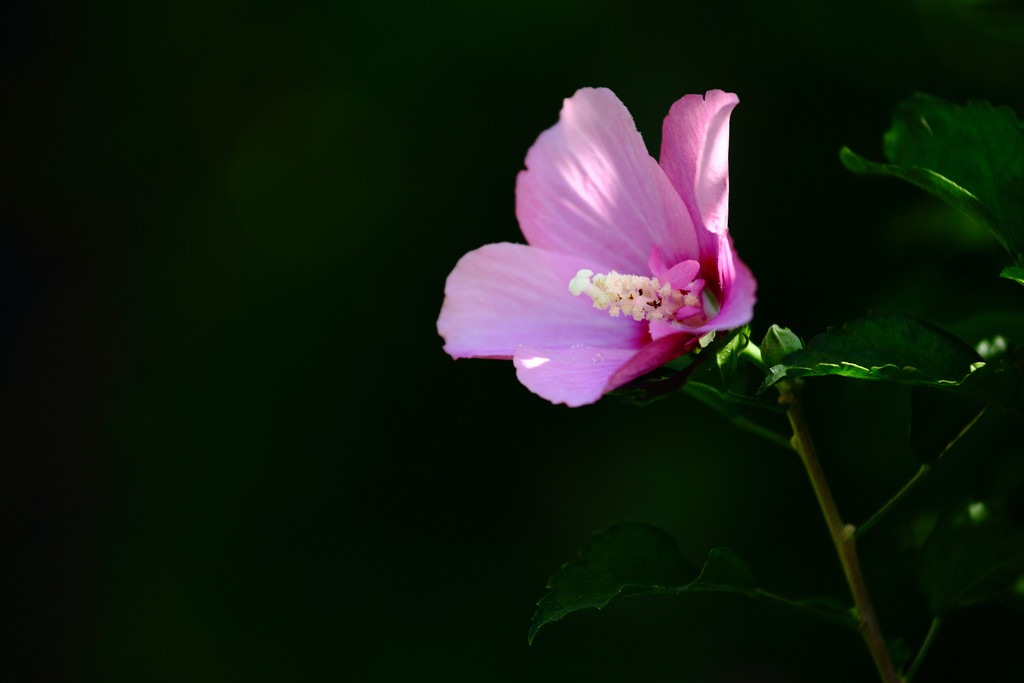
column 971, row 157
column 633, row 559
column 625, row 559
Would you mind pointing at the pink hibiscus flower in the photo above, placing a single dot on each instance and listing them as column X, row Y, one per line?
column 629, row 262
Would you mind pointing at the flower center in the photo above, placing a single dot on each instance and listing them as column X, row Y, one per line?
column 644, row 298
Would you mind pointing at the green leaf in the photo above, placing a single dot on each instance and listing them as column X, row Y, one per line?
column 974, row 553
column 1013, row 273
column 883, row 346
column 971, row 157
column 727, row 376
column 634, row 559
column 625, row 559
column 728, row 355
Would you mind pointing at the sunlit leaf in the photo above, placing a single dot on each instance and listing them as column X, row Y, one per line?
column 883, row 346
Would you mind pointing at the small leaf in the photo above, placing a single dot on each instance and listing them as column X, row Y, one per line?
column 1013, row 273
column 883, row 346
column 973, row 554
column 727, row 357
column 971, row 157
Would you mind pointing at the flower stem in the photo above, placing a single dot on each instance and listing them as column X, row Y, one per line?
column 922, row 472
column 933, row 630
column 763, row 432
column 842, row 534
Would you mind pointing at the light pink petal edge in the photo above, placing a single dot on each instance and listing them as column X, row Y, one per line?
column 591, row 188
column 581, row 375
column 501, row 296
column 695, row 156
column 651, row 357
column 573, row 376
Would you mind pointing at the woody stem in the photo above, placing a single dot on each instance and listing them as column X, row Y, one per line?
column 842, row 534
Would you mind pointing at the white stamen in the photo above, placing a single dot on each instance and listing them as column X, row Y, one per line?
column 643, row 298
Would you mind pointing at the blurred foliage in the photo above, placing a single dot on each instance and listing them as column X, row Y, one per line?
column 973, row 554
column 971, row 157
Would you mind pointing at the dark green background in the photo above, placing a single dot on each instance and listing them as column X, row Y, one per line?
column 235, row 448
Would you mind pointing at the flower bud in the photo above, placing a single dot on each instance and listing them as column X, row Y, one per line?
column 778, row 343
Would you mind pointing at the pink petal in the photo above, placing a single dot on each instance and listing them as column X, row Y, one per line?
column 503, row 295
column 680, row 275
column 651, row 357
column 739, row 297
column 686, row 312
column 663, row 328
column 655, row 265
column 580, row 375
column 590, row 188
column 573, row 376
column 695, row 156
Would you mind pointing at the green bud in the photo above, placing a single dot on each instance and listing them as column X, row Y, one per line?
column 778, row 343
